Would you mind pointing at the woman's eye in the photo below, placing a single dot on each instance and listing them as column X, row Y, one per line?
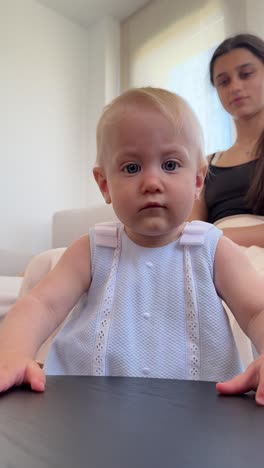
column 170, row 166
column 222, row 83
column 132, row 168
column 245, row 75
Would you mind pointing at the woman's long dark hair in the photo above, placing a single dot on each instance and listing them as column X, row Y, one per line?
column 255, row 45
column 255, row 195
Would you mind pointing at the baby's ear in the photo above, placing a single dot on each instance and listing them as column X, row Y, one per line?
column 100, row 177
column 200, row 176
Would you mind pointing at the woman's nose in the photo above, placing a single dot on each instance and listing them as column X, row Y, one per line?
column 235, row 85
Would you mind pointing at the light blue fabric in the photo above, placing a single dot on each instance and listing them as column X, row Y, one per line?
column 158, row 315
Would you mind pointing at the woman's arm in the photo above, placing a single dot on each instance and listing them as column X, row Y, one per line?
column 37, row 314
column 247, row 235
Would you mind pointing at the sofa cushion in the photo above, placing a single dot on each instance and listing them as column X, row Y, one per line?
column 13, row 263
column 9, row 290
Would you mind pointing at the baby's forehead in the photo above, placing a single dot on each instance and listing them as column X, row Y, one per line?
column 120, row 125
column 120, row 114
column 131, row 109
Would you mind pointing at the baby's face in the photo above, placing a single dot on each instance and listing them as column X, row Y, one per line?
column 151, row 175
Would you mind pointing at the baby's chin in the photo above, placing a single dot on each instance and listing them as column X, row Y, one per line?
column 153, row 236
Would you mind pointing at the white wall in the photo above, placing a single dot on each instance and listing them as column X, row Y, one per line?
column 103, row 62
column 53, row 86
column 255, row 17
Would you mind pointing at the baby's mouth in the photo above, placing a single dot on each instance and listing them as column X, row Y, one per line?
column 151, row 205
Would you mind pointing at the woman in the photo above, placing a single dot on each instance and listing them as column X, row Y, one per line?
column 233, row 196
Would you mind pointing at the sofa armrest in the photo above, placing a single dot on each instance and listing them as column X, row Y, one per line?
column 70, row 225
column 13, row 263
column 9, row 292
column 38, row 267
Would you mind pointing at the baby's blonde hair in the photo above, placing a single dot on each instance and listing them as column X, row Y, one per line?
column 172, row 106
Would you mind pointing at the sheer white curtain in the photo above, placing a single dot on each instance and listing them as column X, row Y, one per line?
column 191, row 80
column 178, row 59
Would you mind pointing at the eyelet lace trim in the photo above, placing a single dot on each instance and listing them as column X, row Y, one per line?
column 192, row 322
column 104, row 317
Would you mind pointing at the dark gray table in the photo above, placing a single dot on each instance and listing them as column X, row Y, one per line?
column 96, row 422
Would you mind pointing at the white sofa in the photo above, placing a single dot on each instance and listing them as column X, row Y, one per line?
column 12, row 266
column 67, row 226
column 13, row 263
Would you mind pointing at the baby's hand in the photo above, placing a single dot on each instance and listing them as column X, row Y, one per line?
column 17, row 370
column 251, row 379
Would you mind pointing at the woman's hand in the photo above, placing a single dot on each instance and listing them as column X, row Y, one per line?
column 251, row 379
column 16, row 370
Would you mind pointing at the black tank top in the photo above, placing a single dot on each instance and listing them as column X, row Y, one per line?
column 226, row 189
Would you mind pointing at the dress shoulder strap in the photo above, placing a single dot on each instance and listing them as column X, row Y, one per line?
column 194, row 233
column 214, row 158
column 106, row 234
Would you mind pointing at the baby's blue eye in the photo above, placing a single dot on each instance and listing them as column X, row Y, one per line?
column 132, row 168
column 170, row 165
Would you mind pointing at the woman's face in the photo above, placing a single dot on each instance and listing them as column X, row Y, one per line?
column 239, row 79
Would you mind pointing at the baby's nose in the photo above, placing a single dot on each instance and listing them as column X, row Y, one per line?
column 152, row 182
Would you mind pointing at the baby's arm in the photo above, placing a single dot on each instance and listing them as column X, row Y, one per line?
column 242, row 288
column 36, row 315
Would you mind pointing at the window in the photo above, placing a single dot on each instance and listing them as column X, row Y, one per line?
column 190, row 80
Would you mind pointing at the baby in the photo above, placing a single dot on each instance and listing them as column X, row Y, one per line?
column 148, row 289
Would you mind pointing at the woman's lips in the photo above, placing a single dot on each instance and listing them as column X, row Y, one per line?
column 238, row 100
